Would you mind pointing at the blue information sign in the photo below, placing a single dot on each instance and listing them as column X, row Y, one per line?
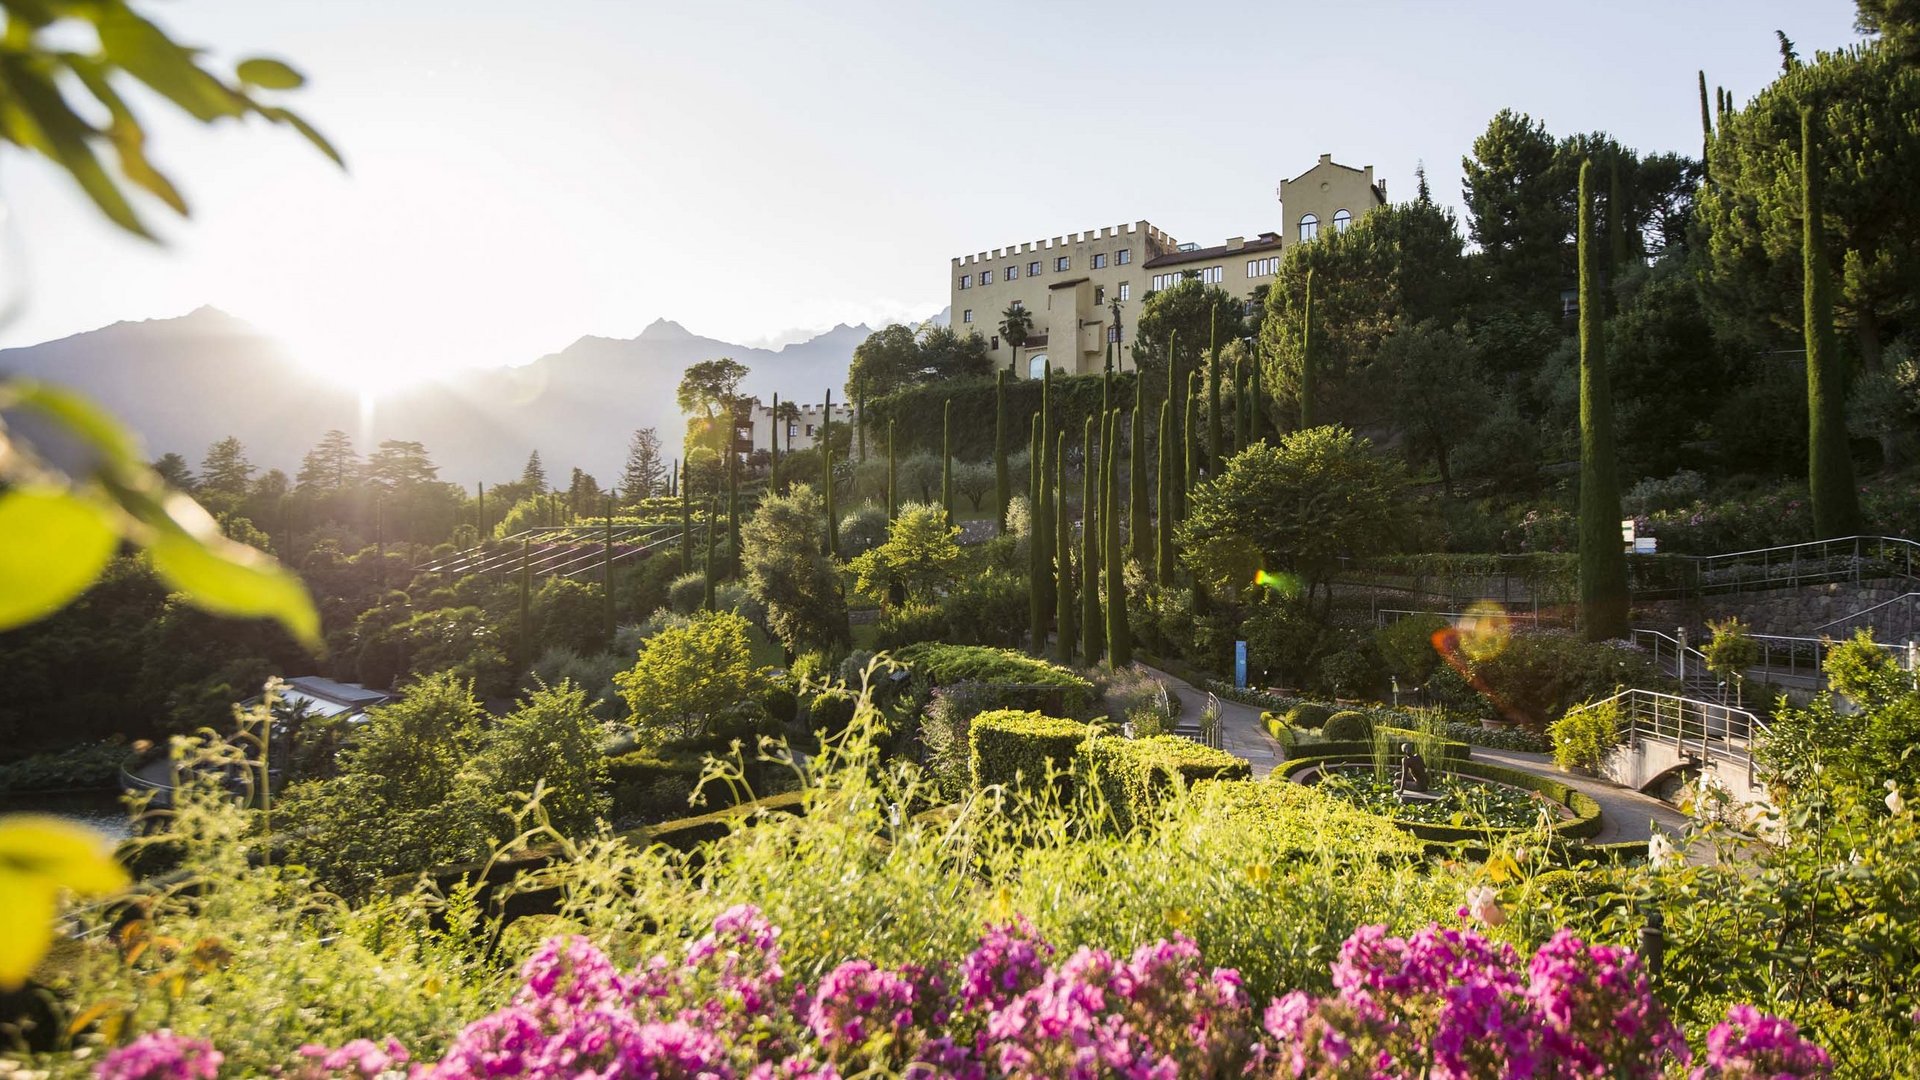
column 1240, row 665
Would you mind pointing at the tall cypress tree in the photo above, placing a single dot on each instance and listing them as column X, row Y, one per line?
column 1188, row 453
column 1063, row 560
column 707, row 590
column 1309, row 411
column 826, row 478
column 1043, row 525
column 1119, row 638
column 733, row 512
column 1214, row 456
column 1139, row 513
column 1002, row 482
column 526, row 603
column 1178, row 505
column 1836, row 505
column 606, row 569
column 1603, row 562
column 686, row 528
column 1706, row 130
column 1093, row 631
column 1164, row 504
column 1242, row 417
column 860, row 421
column 1257, row 403
column 1036, row 551
column 773, row 449
column 946, row 461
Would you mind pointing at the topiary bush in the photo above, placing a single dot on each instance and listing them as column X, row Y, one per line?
column 909, row 623
column 944, row 664
column 1348, row 726
column 780, row 701
column 1136, row 775
column 1008, row 747
column 1308, row 715
column 831, row 710
column 650, row 786
column 688, row 593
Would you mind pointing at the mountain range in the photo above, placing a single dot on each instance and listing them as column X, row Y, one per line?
column 184, row 383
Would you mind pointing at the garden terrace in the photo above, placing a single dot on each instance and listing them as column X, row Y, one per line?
column 1580, row 815
column 563, row 551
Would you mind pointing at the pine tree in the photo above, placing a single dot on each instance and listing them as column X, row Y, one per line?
column 1063, row 560
column 1603, row 563
column 946, row 461
column 1164, row 562
column 1036, row 561
column 1093, row 636
column 893, row 475
column 1309, row 413
column 331, row 465
column 642, row 477
column 1119, row 638
column 1139, row 514
column 1836, row 505
column 1214, row 456
column 225, row 470
column 534, row 476
column 826, row 479
column 1002, row 482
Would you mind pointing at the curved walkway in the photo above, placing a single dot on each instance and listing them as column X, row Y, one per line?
column 1625, row 814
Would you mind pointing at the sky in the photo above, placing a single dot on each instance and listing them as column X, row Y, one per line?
column 522, row 174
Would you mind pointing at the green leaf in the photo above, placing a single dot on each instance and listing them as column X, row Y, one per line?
column 39, row 857
column 287, row 116
column 39, row 117
column 78, row 415
column 124, row 131
column 57, row 544
column 269, row 74
column 227, row 578
column 147, row 54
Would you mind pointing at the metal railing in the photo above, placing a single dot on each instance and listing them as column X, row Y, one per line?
column 1703, row 730
column 1891, row 620
column 1847, row 558
column 1388, row 616
column 564, row 551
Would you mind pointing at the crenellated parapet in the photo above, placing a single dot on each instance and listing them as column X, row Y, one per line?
column 1137, row 229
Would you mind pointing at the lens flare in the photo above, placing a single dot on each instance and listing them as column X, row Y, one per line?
column 1484, row 631
column 1285, row 584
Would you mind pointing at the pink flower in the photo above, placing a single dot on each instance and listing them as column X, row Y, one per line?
column 1754, row 1046
column 161, row 1055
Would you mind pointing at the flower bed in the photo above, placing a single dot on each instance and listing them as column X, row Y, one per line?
column 1460, row 801
column 1439, row 1003
column 1582, row 819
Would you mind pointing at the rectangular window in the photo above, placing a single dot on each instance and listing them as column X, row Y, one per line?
column 1013, row 272
column 1126, row 290
column 792, row 429
column 1033, row 269
column 966, row 281
column 1100, row 261
column 995, row 347
column 1018, row 305
column 809, row 431
column 986, row 277
column 967, row 315
column 1122, row 257
column 1099, row 296
column 1060, row 264
column 1212, row 275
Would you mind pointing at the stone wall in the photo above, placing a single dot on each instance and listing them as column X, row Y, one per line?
column 1790, row 612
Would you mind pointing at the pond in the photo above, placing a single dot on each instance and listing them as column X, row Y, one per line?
column 1462, row 801
column 100, row 810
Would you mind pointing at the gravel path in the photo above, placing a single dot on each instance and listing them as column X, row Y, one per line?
column 1625, row 814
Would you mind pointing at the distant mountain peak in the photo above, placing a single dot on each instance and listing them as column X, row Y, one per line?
column 664, row 330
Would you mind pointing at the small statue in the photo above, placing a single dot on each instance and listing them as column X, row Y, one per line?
column 1413, row 770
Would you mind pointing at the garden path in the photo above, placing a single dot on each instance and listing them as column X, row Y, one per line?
column 1625, row 814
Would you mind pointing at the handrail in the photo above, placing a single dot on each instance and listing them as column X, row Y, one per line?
column 1903, row 598
column 1717, row 731
column 1914, row 544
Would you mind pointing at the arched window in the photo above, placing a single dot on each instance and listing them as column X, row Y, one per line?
column 1037, row 366
column 1342, row 221
column 1309, row 227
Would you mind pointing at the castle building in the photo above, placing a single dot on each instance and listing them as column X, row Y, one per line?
column 801, row 430
column 1073, row 286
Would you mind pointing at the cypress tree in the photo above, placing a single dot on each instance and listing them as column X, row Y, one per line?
column 1706, row 130
column 1002, row 482
column 893, row 476
column 1093, row 638
column 686, row 530
column 1036, row 566
column 946, row 460
column 480, row 512
column 1139, row 513
column 606, row 569
column 773, row 451
column 1188, row 464
column 1063, row 561
column 1836, row 505
column 1214, row 456
column 707, row 590
column 1603, row 563
column 1242, row 419
column 1308, row 412
column 526, row 603
column 826, row 478
column 1164, row 561
column 733, row 512
column 1119, row 639
column 1257, row 404
column 860, row 421
column 1617, row 250
column 1043, row 526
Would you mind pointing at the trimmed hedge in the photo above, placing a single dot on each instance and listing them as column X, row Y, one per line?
column 1348, row 726
column 943, row 664
column 645, row 783
column 1283, row 733
column 1309, row 715
column 1584, row 823
column 1007, row 745
column 1301, row 819
column 1136, row 775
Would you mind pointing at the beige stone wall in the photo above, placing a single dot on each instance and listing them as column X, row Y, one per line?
column 1322, row 192
column 806, row 428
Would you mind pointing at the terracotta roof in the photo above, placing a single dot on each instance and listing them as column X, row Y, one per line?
column 1264, row 242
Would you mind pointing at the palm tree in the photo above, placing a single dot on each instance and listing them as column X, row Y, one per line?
column 1015, row 326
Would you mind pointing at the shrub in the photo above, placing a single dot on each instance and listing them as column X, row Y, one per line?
column 832, row 710
column 986, row 609
column 1582, row 737
column 688, row 593
column 1351, row 671
column 1302, row 819
column 1282, row 732
column 1539, row 674
column 1732, row 649
column 648, row 786
column 862, row 530
column 1348, row 726
column 942, row 664
column 1136, row 775
column 77, row 768
column 688, row 678
column 1406, row 648
column 781, row 703
column 1006, row 745
column 909, row 624
column 1308, row 715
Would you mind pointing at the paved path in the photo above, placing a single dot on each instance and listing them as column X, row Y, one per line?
column 1625, row 814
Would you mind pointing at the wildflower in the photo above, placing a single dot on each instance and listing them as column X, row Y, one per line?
column 1659, row 850
column 161, row 1055
column 1751, row 1044
column 1483, row 905
column 1895, row 804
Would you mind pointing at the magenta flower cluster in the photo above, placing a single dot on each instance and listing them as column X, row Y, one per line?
column 1441, row 1003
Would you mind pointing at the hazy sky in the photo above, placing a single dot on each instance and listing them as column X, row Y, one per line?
column 524, row 173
